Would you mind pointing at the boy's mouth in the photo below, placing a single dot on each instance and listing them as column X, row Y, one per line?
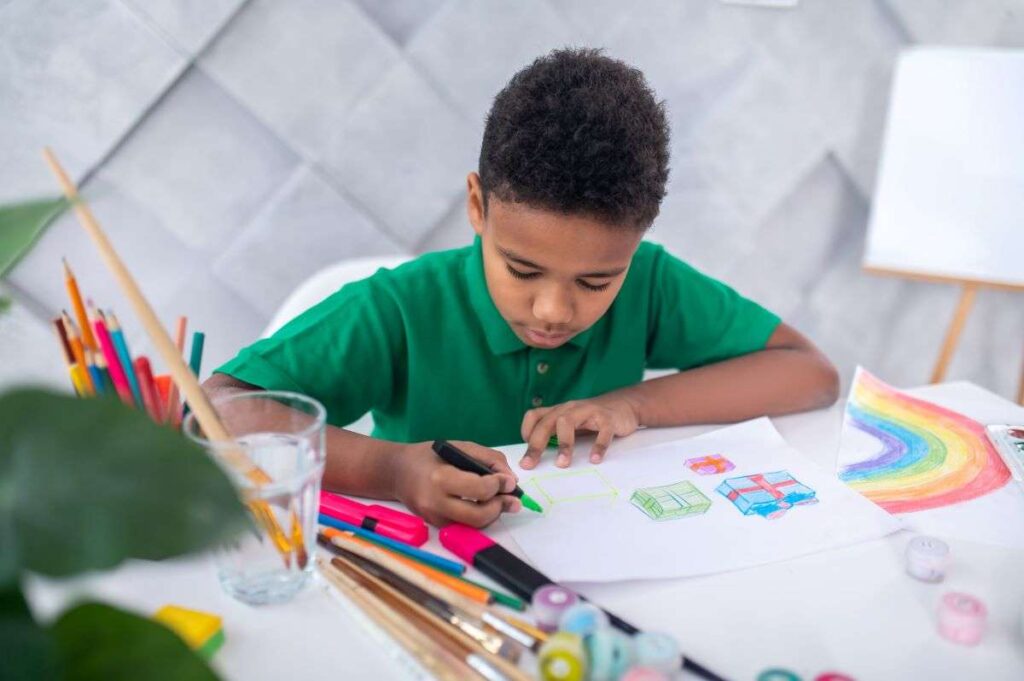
column 541, row 339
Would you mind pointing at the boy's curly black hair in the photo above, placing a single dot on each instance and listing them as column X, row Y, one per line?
column 578, row 132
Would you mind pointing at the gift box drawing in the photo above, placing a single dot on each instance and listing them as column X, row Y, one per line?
column 669, row 502
column 712, row 464
column 768, row 495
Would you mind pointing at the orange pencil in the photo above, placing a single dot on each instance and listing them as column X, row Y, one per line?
column 470, row 591
column 74, row 369
column 76, row 348
column 173, row 415
column 71, row 284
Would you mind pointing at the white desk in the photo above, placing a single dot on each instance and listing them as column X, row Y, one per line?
column 852, row 610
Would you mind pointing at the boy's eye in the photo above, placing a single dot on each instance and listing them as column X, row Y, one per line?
column 521, row 275
column 593, row 287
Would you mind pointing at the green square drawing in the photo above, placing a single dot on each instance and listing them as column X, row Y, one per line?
column 669, row 502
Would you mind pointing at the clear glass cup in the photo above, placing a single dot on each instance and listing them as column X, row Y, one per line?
column 281, row 436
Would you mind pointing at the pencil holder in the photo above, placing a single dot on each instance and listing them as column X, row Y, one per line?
column 282, row 435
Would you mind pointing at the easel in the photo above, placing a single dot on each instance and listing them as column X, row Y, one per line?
column 969, row 290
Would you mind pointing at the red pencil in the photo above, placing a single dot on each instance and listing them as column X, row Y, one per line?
column 150, row 396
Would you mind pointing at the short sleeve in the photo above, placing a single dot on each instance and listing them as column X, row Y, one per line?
column 344, row 352
column 696, row 320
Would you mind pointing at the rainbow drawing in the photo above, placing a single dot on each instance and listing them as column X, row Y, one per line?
column 928, row 456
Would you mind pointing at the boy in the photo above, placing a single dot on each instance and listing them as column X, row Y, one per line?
column 544, row 325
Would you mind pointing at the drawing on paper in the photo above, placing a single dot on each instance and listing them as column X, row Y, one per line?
column 670, row 502
column 580, row 485
column 924, row 456
column 712, row 464
column 768, row 495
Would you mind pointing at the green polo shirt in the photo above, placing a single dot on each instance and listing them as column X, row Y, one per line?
column 425, row 350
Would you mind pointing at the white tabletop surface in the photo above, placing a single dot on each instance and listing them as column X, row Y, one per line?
column 852, row 610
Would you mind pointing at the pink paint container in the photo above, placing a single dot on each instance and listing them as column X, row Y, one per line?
column 962, row 618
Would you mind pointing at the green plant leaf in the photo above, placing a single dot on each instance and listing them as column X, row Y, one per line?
column 85, row 484
column 21, row 224
column 97, row 642
column 27, row 650
column 5, row 304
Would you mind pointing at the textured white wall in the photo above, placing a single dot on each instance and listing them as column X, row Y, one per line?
column 233, row 147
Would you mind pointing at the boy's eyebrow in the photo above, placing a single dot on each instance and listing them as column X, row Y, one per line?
column 527, row 263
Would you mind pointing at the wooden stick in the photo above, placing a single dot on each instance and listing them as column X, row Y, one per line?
column 963, row 307
column 426, row 651
column 207, row 417
column 511, row 627
column 383, row 590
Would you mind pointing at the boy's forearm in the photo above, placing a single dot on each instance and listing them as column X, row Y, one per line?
column 355, row 463
column 769, row 382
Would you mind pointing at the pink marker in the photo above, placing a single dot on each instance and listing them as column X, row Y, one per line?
column 386, row 522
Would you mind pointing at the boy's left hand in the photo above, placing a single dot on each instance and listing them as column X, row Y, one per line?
column 607, row 416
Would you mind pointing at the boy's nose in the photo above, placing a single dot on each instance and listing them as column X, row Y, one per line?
column 553, row 307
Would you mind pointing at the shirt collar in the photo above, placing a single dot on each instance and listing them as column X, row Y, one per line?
column 500, row 337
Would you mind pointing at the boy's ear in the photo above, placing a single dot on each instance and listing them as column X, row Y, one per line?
column 475, row 202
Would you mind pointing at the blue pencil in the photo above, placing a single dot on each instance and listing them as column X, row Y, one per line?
column 431, row 559
column 121, row 347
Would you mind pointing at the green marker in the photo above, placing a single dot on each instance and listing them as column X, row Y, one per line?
column 464, row 462
column 553, row 441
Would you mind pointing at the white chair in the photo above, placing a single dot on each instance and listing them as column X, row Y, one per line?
column 324, row 283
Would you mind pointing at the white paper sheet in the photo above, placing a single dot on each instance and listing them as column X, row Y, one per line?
column 995, row 517
column 592, row 533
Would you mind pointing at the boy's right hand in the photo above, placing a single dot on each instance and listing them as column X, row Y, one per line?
column 441, row 493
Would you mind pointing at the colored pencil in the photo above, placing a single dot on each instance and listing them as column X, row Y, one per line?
column 71, row 284
column 98, row 383
column 205, row 414
column 499, row 597
column 425, row 648
column 100, row 362
column 195, row 361
column 117, row 374
column 76, row 348
column 74, row 369
column 148, row 389
column 458, row 584
column 431, row 559
column 173, row 415
column 125, row 357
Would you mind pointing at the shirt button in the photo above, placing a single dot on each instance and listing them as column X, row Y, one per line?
column 537, row 401
column 542, row 367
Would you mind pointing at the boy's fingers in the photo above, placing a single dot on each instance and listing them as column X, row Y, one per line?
column 470, row 513
column 565, row 428
column 530, row 420
column 494, row 460
column 453, row 482
column 537, row 442
column 604, row 438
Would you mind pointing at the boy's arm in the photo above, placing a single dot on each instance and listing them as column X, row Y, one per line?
column 410, row 473
column 790, row 374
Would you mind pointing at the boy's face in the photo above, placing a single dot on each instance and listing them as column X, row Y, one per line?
column 551, row 275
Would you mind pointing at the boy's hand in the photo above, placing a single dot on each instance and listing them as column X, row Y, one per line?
column 608, row 417
column 441, row 493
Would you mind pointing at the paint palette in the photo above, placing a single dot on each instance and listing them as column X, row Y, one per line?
column 1009, row 442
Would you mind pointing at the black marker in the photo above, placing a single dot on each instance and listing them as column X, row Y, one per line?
column 464, row 462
